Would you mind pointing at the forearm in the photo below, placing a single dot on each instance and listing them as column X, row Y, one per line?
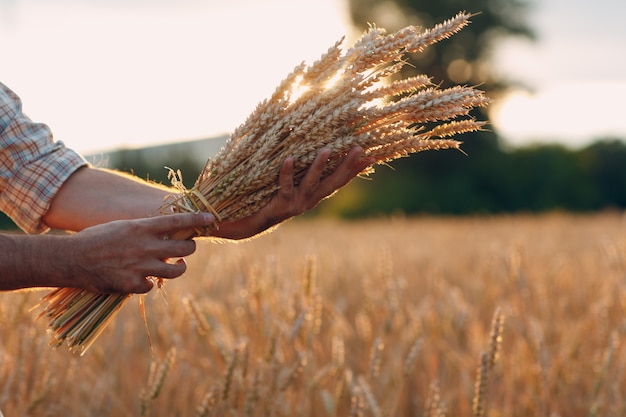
column 31, row 261
column 94, row 196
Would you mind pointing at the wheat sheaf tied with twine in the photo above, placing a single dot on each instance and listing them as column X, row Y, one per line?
column 347, row 98
column 340, row 101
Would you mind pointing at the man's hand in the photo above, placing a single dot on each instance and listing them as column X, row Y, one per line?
column 290, row 200
column 118, row 256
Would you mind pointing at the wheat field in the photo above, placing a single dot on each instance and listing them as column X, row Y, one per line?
column 429, row 316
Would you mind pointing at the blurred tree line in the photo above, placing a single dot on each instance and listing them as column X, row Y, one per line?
column 491, row 178
column 488, row 179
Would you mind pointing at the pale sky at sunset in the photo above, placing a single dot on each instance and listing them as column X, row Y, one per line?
column 577, row 70
column 105, row 74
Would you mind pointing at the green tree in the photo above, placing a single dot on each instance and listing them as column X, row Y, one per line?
column 447, row 181
column 546, row 177
column 134, row 161
column 466, row 57
column 604, row 163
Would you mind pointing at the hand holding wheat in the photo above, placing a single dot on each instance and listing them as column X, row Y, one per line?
column 291, row 200
column 345, row 100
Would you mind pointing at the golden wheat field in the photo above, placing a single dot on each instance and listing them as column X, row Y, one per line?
column 496, row 316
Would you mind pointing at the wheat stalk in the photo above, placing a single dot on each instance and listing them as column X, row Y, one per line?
column 487, row 362
column 375, row 359
column 348, row 98
column 156, row 379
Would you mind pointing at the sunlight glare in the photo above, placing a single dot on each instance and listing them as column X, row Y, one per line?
column 297, row 90
column 333, row 80
column 572, row 114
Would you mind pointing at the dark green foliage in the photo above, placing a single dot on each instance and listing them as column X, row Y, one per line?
column 462, row 58
column 135, row 162
column 489, row 180
column 6, row 223
column 605, row 164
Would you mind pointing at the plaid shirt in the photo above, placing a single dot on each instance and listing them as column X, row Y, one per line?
column 32, row 165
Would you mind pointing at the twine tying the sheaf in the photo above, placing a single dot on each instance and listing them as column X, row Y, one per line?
column 187, row 201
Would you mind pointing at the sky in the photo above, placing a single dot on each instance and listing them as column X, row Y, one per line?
column 576, row 74
column 105, row 74
column 109, row 74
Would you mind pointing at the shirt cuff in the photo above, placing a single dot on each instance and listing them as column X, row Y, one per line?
column 28, row 195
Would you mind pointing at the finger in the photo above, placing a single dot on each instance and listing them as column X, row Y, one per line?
column 285, row 179
column 175, row 248
column 143, row 286
column 176, row 269
column 312, row 177
column 163, row 269
column 350, row 167
column 360, row 163
column 344, row 172
column 180, row 221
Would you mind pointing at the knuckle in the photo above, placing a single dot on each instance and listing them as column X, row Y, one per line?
column 176, row 220
column 286, row 190
column 199, row 219
column 309, row 193
column 133, row 227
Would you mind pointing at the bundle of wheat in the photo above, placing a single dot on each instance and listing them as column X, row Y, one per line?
column 346, row 98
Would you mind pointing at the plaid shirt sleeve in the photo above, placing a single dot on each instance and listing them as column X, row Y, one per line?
column 32, row 165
